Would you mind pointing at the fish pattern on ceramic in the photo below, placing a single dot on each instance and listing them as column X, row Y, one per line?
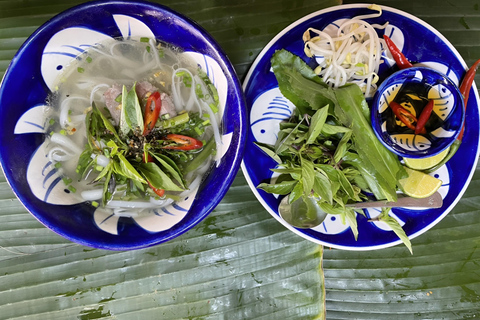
column 45, row 180
column 271, row 108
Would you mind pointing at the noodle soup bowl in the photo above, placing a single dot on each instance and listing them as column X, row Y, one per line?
column 413, row 89
column 24, row 114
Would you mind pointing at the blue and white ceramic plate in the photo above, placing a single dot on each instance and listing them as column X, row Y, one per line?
column 27, row 83
column 267, row 107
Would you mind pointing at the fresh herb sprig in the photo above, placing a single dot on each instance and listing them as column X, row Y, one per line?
column 328, row 149
column 126, row 149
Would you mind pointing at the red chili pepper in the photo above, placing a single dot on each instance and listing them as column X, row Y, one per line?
column 400, row 59
column 159, row 192
column 183, row 142
column 405, row 116
column 465, row 89
column 152, row 112
column 424, row 116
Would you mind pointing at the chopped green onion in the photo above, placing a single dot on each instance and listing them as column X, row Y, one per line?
column 67, row 181
column 198, row 131
column 198, row 91
column 148, row 49
column 63, row 132
column 95, row 204
column 118, row 98
column 213, row 107
column 80, row 70
column 206, row 122
column 89, row 59
column 58, row 165
column 72, row 188
column 161, row 53
column 144, row 39
column 52, row 122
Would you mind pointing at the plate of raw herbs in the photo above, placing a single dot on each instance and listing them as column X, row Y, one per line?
column 304, row 91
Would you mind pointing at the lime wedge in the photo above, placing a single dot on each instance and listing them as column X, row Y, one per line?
column 419, row 184
column 425, row 163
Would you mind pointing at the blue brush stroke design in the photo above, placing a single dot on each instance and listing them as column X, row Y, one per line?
column 266, row 119
column 176, row 206
column 35, row 125
column 62, row 54
column 51, row 173
column 74, row 48
column 105, row 220
column 167, row 212
column 50, row 188
column 281, row 108
column 45, row 167
column 276, row 113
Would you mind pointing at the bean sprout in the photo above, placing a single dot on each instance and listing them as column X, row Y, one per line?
column 353, row 55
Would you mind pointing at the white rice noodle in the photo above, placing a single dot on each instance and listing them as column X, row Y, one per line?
column 58, row 154
column 153, row 49
column 353, row 55
column 179, row 94
column 101, row 159
column 91, row 195
column 65, row 141
column 159, row 203
column 95, row 90
column 68, row 117
column 130, row 204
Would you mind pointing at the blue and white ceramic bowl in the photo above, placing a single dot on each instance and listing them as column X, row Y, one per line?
column 27, row 83
column 412, row 89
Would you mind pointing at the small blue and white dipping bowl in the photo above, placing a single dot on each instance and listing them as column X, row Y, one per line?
column 28, row 82
column 412, row 88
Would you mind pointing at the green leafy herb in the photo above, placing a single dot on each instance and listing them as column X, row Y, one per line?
column 396, row 227
column 327, row 149
column 131, row 118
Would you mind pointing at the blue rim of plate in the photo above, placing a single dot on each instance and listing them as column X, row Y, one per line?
column 98, row 16
column 456, row 175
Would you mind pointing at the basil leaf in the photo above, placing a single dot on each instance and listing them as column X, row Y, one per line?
column 342, row 147
column 106, row 193
column 351, row 218
column 269, row 151
column 282, row 188
column 296, row 193
column 331, row 129
column 316, row 125
column 347, row 186
column 283, row 143
column 131, row 117
column 108, row 125
column 126, row 169
column 171, row 168
column 323, row 187
column 308, row 176
column 157, row 178
column 396, row 227
column 104, row 172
